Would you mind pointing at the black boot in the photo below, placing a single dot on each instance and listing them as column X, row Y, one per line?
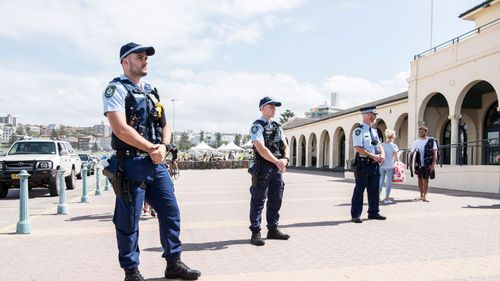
column 177, row 269
column 133, row 275
column 257, row 239
column 275, row 233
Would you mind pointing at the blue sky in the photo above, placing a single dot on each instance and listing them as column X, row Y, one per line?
column 219, row 57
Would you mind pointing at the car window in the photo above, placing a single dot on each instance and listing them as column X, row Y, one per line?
column 84, row 157
column 69, row 148
column 60, row 147
column 33, row 148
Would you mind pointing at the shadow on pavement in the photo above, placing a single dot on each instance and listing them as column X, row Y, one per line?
column 158, row 279
column 494, row 206
column 312, row 224
column 102, row 217
column 211, row 246
column 33, row 193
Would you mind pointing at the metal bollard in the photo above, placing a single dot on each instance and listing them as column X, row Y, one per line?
column 62, row 208
column 106, row 184
column 24, row 225
column 97, row 189
column 85, row 196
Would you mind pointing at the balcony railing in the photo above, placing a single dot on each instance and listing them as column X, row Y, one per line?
column 457, row 39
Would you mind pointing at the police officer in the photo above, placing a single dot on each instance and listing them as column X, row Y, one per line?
column 369, row 154
column 141, row 137
column 270, row 150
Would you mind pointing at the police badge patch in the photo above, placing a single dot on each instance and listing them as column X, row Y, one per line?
column 357, row 132
column 254, row 129
column 110, row 91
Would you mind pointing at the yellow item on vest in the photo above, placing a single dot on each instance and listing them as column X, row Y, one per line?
column 160, row 109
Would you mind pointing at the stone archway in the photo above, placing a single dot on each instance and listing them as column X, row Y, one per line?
column 381, row 127
column 324, row 150
column 312, row 151
column 301, row 152
column 339, row 150
column 293, row 151
column 468, row 129
column 401, row 128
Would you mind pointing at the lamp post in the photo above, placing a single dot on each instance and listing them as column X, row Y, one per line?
column 173, row 119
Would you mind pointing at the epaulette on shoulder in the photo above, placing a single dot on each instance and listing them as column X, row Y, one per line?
column 276, row 123
column 360, row 126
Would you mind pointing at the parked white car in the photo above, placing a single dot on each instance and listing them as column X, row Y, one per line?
column 41, row 159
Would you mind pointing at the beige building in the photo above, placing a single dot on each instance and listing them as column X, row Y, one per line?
column 453, row 89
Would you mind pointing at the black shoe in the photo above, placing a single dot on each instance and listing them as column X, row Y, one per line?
column 275, row 233
column 257, row 239
column 178, row 269
column 356, row 220
column 133, row 275
column 376, row 217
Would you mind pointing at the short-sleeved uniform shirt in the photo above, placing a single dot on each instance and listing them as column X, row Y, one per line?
column 114, row 95
column 419, row 145
column 361, row 137
column 257, row 131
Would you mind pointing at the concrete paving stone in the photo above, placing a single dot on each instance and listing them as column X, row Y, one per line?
column 445, row 239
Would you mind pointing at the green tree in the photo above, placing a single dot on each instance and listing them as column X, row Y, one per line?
column 285, row 116
column 202, row 135
column 13, row 139
column 95, row 147
column 20, row 131
column 245, row 139
column 62, row 131
column 88, row 131
column 184, row 143
column 237, row 139
column 218, row 140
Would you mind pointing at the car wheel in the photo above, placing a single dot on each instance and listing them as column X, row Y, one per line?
column 4, row 190
column 53, row 186
column 71, row 180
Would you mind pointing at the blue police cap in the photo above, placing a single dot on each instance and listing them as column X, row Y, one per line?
column 267, row 100
column 132, row 47
column 368, row 109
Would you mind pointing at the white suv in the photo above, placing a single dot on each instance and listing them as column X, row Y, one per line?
column 41, row 159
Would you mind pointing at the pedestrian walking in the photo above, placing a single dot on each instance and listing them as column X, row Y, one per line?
column 391, row 153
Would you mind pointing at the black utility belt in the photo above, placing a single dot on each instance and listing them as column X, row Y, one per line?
column 128, row 153
column 366, row 160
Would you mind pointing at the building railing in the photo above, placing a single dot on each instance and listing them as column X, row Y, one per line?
column 457, row 39
column 480, row 152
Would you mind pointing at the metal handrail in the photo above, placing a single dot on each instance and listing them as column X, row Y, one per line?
column 493, row 143
column 457, row 39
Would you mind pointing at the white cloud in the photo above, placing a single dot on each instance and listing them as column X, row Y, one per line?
column 210, row 100
column 187, row 31
column 355, row 90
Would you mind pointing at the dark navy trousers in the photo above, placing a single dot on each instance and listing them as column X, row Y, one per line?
column 160, row 195
column 266, row 183
column 369, row 177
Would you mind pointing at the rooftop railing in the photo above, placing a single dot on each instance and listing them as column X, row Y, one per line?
column 457, row 39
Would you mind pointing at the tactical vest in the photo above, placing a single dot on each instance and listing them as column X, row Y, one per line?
column 140, row 114
column 272, row 140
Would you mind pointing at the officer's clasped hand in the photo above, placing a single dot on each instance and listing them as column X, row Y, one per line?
column 157, row 153
column 281, row 164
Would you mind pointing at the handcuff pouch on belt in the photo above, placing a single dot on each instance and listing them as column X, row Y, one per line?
column 355, row 165
column 121, row 185
column 254, row 171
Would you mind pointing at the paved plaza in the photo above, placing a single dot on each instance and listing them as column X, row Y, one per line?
column 455, row 236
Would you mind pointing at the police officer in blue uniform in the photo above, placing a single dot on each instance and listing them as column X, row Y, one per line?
column 270, row 150
column 141, row 138
column 369, row 154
